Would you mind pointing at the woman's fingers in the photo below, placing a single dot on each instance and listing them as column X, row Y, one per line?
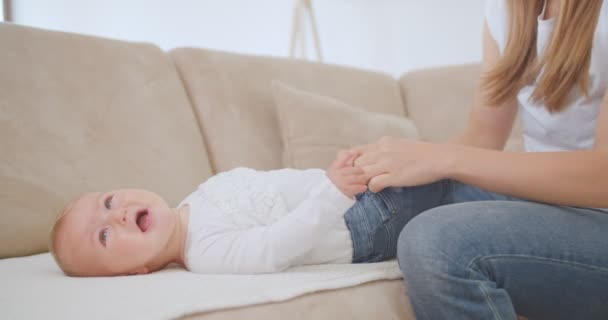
column 350, row 161
column 367, row 159
column 357, row 189
column 361, row 149
column 394, row 162
column 356, row 179
column 378, row 183
column 348, row 171
column 343, row 155
column 376, row 169
column 345, row 158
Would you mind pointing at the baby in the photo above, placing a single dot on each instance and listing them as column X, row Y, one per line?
column 241, row 222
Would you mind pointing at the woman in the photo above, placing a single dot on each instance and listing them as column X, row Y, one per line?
column 500, row 233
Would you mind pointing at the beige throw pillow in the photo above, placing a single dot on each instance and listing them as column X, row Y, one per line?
column 314, row 128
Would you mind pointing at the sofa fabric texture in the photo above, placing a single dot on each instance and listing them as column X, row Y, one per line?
column 315, row 128
column 439, row 101
column 232, row 96
column 82, row 114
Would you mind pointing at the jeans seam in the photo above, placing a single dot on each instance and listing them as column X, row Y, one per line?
column 390, row 243
column 490, row 302
column 530, row 257
column 370, row 245
column 471, row 277
column 391, row 209
column 377, row 253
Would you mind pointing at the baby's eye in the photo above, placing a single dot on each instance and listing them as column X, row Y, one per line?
column 103, row 235
column 108, row 202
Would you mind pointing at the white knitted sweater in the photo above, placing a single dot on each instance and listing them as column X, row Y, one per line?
column 248, row 221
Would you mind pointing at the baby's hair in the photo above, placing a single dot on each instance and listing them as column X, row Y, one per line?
column 57, row 224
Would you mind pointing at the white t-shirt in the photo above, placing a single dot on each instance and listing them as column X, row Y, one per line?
column 248, row 221
column 573, row 128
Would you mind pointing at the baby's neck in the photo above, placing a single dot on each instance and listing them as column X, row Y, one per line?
column 174, row 251
column 181, row 232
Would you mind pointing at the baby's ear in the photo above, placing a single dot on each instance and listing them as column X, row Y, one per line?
column 142, row 270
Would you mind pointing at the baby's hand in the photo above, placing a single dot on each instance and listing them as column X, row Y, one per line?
column 350, row 180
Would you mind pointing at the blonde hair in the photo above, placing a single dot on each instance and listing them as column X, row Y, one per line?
column 564, row 63
column 55, row 229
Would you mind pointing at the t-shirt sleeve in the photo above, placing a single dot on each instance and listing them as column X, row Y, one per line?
column 496, row 17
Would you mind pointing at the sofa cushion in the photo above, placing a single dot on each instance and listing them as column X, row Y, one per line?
column 439, row 101
column 79, row 114
column 233, row 99
column 314, row 128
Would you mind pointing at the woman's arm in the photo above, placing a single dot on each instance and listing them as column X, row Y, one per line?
column 567, row 178
column 572, row 178
column 576, row 178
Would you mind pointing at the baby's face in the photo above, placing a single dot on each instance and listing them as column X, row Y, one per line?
column 115, row 233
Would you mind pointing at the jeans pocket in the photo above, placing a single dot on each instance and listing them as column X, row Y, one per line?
column 385, row 208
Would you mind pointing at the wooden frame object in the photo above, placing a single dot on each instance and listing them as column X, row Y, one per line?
column 6, row 7
column 302, row 9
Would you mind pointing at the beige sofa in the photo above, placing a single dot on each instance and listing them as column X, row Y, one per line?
column 81, row 113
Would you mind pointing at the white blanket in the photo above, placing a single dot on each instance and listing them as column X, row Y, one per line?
column 34, row 288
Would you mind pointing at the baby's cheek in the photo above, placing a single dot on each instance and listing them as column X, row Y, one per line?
column 127, row 245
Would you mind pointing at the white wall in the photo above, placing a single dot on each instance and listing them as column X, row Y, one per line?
column 385, row 35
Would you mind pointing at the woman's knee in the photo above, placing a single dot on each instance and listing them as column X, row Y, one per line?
column 421, row 239
column 447, row 236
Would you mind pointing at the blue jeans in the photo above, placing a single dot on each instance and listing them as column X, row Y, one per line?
column 470, row 254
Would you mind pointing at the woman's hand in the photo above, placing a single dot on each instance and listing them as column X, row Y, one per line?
column 395, row 162
column 350, row 180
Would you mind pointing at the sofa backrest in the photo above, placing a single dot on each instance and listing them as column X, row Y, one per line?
column 233, row 99
column 439, row 101
column 80, row 114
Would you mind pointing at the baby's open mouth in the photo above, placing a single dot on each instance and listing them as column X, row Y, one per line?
column 143, row 220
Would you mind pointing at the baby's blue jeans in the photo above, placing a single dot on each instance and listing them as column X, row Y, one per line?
column 471, row 254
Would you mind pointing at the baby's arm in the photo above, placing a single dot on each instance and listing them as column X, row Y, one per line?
column 275, row 247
